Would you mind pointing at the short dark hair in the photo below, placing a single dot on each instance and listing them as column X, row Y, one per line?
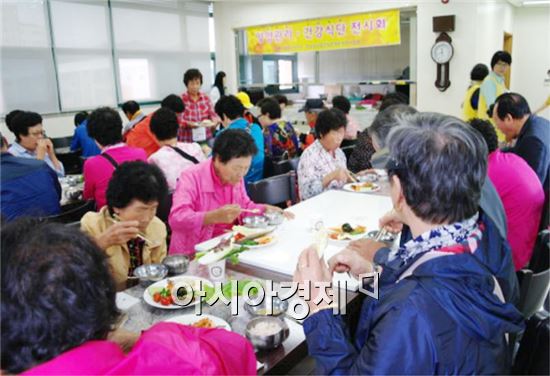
column 174, row 103
column 387, row 119
column 190, row 75
column 330, row 120
column 441, row 163
column 281, row 99
column 487, row 131
column 342, row 103
column 271, row 108
column 479, row 72
column 80, row 117
column 136, row 180
column 105, row 126
column 233, row 143
column 230, row 106
column 512, row 103
column 24, row 120
column 10, row 116
column 57, row 292
column 500, row 56
column 130, row 107
column 393, row 98
column 164, row 124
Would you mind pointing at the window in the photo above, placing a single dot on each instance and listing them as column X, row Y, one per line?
column 119, row 50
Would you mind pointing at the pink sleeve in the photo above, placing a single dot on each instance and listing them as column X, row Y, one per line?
column 174, row 349
column 184, row 218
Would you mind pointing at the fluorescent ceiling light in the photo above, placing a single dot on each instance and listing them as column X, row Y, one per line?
column 536, row 2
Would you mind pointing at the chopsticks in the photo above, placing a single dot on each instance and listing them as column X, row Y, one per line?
column 383, row 232
column 254, row 211
column 353, row 176
column 115, row 218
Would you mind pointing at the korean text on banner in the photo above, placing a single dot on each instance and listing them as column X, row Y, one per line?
column 350, row 31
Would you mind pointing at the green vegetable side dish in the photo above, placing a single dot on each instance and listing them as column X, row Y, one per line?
column 226, row 289
column 232, row 256
column 346, row 227
column 249, row 242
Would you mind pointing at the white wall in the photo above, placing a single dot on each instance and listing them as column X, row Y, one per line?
column 531, row 49
column 479, row 31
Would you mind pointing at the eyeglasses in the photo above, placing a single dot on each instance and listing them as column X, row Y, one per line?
column 502, row 64
column 37, row 134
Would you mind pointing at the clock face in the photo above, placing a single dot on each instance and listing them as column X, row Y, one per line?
column 442, row 52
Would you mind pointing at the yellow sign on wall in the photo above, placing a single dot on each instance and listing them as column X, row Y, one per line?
column 351, row 31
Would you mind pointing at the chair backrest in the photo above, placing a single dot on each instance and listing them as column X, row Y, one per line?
column 73, row 212
column 348, row 150
column 71, row 162
column 62, row 142
column 163, row 210
column 540, row 259
column 532, row 357
column 274, row 190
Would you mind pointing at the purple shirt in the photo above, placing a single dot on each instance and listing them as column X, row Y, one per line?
column 198, row 191
column 98, row 170
column 521, row 193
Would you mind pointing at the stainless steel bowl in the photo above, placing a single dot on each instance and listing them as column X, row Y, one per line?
column 150, row 273
column 177, row 264
column 274, row 218
column 388, row 238
column 267, row 342
column 279, row 307
column 256, row 221
column 368, row 177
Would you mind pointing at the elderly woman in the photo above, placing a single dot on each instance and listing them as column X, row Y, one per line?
column 210, row 196
column 323, row 165
column 127, row 228
column 105, row 127
column 441, row 309
column 199, row 118
column 59, row 310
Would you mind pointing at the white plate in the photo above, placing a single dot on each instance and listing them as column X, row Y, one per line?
column 349, row 187
column 192, row 280
column 345, row 241
column 273, row 241
column 190, row 319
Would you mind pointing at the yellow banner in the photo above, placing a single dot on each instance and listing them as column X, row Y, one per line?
column 351, row 31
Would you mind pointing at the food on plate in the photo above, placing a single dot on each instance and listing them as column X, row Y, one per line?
column 257, row 241
column 227, row 289
column 367, row 186
column 164, row 295
column 346, row 232
column 265, row 329
column 204, row 323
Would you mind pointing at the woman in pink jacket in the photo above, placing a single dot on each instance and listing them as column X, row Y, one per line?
column 210, row 196
column 59, row 311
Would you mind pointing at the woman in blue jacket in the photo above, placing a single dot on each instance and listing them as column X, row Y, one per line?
column 441, row 306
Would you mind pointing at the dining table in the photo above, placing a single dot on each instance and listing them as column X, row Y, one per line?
column 276, row 263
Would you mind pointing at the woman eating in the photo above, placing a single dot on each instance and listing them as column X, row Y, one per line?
column 440, row 308
column 59, row 311
column 323, row 165
column 210, row 197
column 127, row 228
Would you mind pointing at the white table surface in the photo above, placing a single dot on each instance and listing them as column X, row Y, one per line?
column 334, row 207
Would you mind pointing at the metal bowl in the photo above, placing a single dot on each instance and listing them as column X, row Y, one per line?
column 388, row 238
column 256, row 221
column 177, row 264
column 267, row 342
column 274, row 218
column 368, row 177
column 279, row 308
column 150, row 273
